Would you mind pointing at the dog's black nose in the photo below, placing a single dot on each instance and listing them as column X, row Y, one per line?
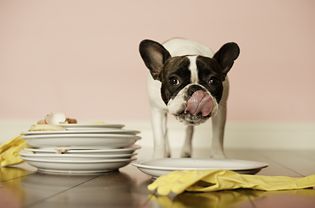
column 192, row 89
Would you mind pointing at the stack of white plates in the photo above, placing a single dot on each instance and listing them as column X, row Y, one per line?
column 81, row 149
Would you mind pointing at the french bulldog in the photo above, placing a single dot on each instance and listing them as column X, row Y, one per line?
column 190, row 82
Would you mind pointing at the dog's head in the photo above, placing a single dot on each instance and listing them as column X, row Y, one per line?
column 192, row 85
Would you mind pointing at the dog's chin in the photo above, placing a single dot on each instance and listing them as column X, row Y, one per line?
column 190, row 119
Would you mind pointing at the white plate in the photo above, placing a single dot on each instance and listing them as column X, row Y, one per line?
column 53, row 156
column 81, row 141
column 53, row 150
column 67, row 166
column 92, row 126
column 160, row 167
column 73, row 172
column 84, row 131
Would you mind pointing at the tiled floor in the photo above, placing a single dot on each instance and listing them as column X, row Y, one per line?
column 127, row 188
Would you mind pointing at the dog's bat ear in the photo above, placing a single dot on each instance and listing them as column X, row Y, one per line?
column 154, row 56
column 226, row 55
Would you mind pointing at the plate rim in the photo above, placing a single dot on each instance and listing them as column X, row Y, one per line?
column 75, row 155
column 79, row 161
column 131, row 148
column 102, row 136
column 139, row 164
column 89, row 131
column 116, row 126
column 73, row 172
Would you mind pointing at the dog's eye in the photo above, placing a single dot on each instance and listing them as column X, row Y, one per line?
column 174, row 81
column 212, row 81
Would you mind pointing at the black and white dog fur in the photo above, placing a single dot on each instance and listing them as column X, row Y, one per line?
column 178, row 69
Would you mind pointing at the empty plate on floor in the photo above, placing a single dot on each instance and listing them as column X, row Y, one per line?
column 159, row 167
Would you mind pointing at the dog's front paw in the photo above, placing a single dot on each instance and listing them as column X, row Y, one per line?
column 186, row 151
column 185, row 154
column 159, row 155
column 217, row 155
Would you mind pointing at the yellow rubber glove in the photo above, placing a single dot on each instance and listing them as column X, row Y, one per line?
column 177, row 182
column 10, row 151
column 213, row 200
column 219, row 199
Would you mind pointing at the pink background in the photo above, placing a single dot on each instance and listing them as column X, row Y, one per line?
column 81, row 57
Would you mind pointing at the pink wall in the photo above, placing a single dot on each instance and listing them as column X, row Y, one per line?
column 81, row 57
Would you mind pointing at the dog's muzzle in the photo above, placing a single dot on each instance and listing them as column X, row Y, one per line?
column 199, row 102
column 199, row 106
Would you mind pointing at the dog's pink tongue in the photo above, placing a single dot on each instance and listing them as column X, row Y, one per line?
column 200, row 101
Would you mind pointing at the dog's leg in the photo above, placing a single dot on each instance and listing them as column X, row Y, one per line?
column 161, row 146
column 187, row 148
column 167, row 143
column 218, row 126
